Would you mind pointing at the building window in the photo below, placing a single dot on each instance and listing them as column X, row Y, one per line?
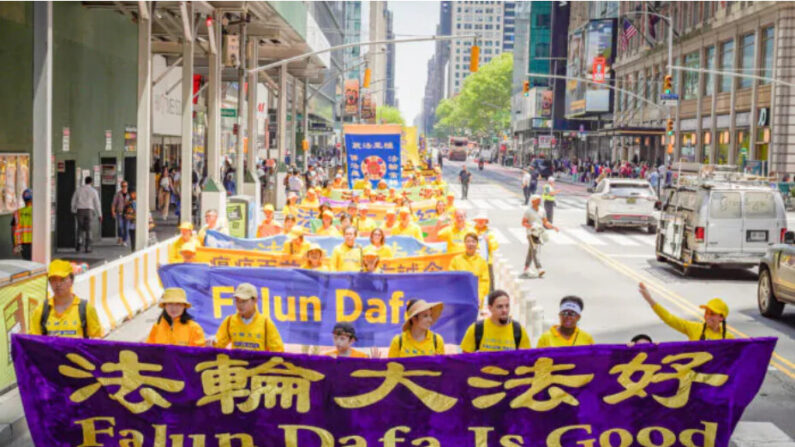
column 691, row 77
column 542, row 21
column 655, row 84
column 709, row 64
column 767, row 54
column 746, row 60
column 542, row 50
column 726, row 64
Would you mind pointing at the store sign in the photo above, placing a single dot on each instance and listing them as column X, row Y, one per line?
column 545, row 141
column 764, row 117
column 108, row 140
column 599, row 69
column 65, row 140
column 166, row 99
column 230, row 113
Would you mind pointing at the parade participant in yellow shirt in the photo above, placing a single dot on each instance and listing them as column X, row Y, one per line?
column 390, row 221
column 362, row 182
column 567, row 333
column 188, row 252
column 313, row 258
column 345, row 220
column 442, row 215
column 64, row 314
column 482, row 229
column 291, row 208
column 327, row 229
column 268, row 227
column 176, row 326
column 451, row 204
column 417, row 338
column 498, row 332
column 378, row 242
column 344, row 336
column 364, row 224
column 438, row 181
column 296, row 245
column 406, row 227
column 311, row 200
column 247, row 328
column 371, row 263
column 186, row 235
column 713, row 328
column 411, row 182
column 471, row 261
column 288, row 224
column 454, row 234
column 347, row 257
column 367, row 194
column 353, row 210
column 392, row 196
column 211, row 222
column 338, row 182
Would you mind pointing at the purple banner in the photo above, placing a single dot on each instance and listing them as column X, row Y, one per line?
column 99, row 393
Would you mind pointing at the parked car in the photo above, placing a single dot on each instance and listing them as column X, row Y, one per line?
column 621, row 203
column 776, row 285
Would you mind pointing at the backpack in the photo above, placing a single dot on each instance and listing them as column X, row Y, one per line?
column 517, row 333
column 435, row 342
column 81, row 310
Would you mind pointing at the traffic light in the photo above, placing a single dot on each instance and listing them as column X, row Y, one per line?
column 474, row 55
column 526, row 88
column 305, row 145
column 667, row 85
column 366, row 81
column 669, row 127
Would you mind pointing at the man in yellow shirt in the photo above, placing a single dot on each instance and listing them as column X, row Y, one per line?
column 454, row 234
column 247, row 328
column 567, row 333
column 390, row 219
column 64, row 314
column 364, row 224
column 406, row 227
column 499, row 332
column 327, row 229
column 347, row 256
column 186, row 235
column 268, row 227
column 362, row 182
column 471, row 261
column 296, row 245
column 482, row 229
column 713, row 328
column 310, row 201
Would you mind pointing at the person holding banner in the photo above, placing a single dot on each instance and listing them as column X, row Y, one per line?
column 268, row 227
column 378, row 242
column 344, row 336
column 64, row 314
column 353, row 210
column 364, row 224
column 247, row 328
column 313, row 258
column 499, row 332
column 454, row 234
column 406, row 227
column 175, row 326
column 442, row 215
column 362, row 182
column 186, row 236
column 567, row 333
column 371, row 262
column 471, row 261
column 347, row 257
column 338, row 183
column 482, row 229
column 713, row 328
column 288, row 224
column 211, row 222
column 188, row 252
column 327, row 229
column 345, row 220
column 296, row 245
column 417, row 338
column 310, row 201
column 390, row 219
column 291, row 208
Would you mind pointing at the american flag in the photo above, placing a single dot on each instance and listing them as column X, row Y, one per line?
column 628, row 31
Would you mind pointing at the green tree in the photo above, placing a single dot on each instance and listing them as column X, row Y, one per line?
column 389, row 115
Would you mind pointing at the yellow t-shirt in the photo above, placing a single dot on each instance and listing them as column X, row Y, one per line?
column 553, row 338
column 413, row 348
column 291, row 210
column 187, row 334
column 389, row 229
column 260, row 334
column 66, row 324
column 289, row 250
column 384, row 252
column 174, row 256
column 346, row 259
column 692, row 329
column 330, row 231
column 476, row 265
column 454, row 237
column 354, row 354
column 322, row 267
column 491, row 242
column 495, row 338
column 360, row 184
column 306, row 203
column 365, row 225
column 411, row 229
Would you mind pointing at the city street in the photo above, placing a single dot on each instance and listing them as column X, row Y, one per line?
column 605, row 268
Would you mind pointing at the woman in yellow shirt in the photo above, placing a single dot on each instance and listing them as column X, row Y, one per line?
column 291, row 209
column 175, row 326
column 327, row 229
column 347, row 256
column 288, row 224
column 377, row 241
column 567, row 333
column 313, row 258
column 713, row 328
column 417, row 338
column 296, row 245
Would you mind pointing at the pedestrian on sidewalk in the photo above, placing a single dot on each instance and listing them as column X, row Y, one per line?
column 713, row 328
column 22, row 225
column 164, row 193
column 120, row 200
column 498, row 332
column 535, row 221
column 526, row 185
column 85, row 202
column 567, row 333
column 464, row 176
column 549, row 198
column 129, row 216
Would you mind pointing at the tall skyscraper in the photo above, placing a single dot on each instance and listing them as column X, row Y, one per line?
column 353, row 33
column 389, row 94
column 509, row 25
column 437, row 69
column 377, row 54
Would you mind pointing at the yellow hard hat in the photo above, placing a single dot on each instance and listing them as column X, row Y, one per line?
column 174, row 295
column 59, row 268
column 718, row 306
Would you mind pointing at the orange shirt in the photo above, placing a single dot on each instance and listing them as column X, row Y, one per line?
column 268, row 229
column 187, row 334
column 353, row 354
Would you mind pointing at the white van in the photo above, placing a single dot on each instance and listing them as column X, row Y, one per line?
column 719, row 224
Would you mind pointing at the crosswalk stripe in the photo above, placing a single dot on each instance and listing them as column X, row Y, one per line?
column 499, row 236
column 462, row 204
column 585, row 236
column 482, row 204
column 621, row 239
column 646, row 240
column 560, row 238
column 519, row 233
column 500, row 204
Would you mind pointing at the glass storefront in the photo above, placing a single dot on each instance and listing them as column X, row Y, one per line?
column 762, row 143
column 742, row 151
column 722, row 155
column 688, row 146
column 706, row 146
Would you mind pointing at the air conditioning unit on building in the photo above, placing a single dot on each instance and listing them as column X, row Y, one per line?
column 231, row 50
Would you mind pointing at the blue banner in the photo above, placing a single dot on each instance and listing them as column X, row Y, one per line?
column 378, row 154
column 306, row 304
column 401, row 245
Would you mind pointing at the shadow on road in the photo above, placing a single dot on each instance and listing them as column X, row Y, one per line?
column 784, row 324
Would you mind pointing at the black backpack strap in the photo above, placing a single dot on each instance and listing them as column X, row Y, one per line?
column 82, row 309
column 517, row 333
column 478, row 334
column 435, row 342
column 400, row 342
column 45, row 315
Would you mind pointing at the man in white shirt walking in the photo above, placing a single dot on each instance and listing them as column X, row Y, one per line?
column 526, row 185
column 85, row 200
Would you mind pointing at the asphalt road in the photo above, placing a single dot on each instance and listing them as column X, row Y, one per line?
column 605, row 268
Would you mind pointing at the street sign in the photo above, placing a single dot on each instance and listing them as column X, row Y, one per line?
column 229, row 113
column 670, row 102
column 669, row 96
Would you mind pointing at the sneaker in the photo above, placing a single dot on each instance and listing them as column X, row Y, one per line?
column 541, row 273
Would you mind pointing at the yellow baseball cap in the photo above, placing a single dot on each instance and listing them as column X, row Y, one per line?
column 369, row 251
column 295, row 233
column 59, row 268
column 267, row 207
column 186, row 226
column 246, row 291
column 328, row 213
column 190, row 247
column 313, row 246
column 718, row 306
column 174, row 295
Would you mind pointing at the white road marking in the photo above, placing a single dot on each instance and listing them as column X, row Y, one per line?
column 462, row 204
column 560, row 238
column 520, row 234
column 585, row 236
column 501, row 205
column 500, row 236
column 646, row 240
column 750, row 434
column 621, row 239
column 482, row 204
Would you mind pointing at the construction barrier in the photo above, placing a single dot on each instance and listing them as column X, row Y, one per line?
column 124, row 288
column 524, row 307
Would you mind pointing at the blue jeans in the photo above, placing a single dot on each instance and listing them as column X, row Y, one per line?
column 121, row 227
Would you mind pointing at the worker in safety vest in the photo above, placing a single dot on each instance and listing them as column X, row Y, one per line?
column 22, row 223
column 549, row 197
